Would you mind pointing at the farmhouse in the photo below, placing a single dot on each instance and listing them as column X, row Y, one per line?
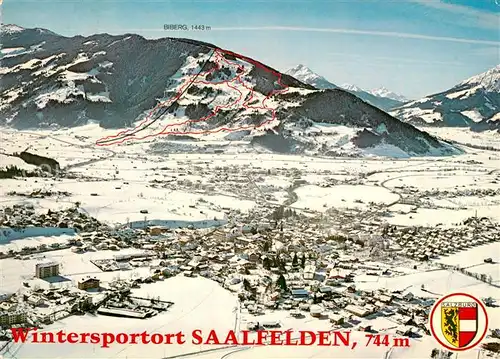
column 88, row 283
column 336, row 319
column 358, row 311
column 300, row 293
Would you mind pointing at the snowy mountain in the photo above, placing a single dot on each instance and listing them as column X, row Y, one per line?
column 473, row 103
column 351, row 88
column 306, row 75
column 173, row 87
column 11, row 29
column 386, row 93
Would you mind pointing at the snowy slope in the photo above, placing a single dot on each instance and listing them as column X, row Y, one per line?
column 473, row 103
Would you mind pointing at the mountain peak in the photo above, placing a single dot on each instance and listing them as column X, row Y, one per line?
column 306, row 75
column 351, row 87
column 300, row 67
column 385, row 92
column 301, row 70
column 489, row 80
column 11, row 28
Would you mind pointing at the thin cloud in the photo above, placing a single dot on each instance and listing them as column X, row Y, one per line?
column 360, row 32
column 480, row 18
column 493, row 52
column 398, row 59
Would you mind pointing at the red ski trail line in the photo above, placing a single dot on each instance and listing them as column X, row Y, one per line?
column 183, row 89
column 219, row 58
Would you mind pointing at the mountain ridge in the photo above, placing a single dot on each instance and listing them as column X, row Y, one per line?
column 385, row 92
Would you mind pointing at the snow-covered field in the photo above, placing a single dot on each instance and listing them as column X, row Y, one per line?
column 473, row 260
column 342, row 196
column 121, row 177
column 436, row 284
column 116, row 202
column 469, row 179
column 417, row 347
column 430, row 217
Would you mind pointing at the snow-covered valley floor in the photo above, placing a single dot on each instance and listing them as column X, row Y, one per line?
column 128, row 183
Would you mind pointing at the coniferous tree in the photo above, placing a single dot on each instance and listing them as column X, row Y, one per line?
column 295, row 260
column 266, row 246
column 246, row 284
column 303, row 261
column 281, row 265
column 282, row 283
column 266, row 263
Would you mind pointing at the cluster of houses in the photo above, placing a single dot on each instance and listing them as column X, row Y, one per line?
column 347, row 307
column 37, row 306
column 199, row 177
column 479, row 192
column 49, row 297
column 427, row 243
column 21, row 216
column 415, row 242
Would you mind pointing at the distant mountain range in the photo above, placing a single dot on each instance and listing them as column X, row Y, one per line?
column 473, row 103
column 381, row 97
column 191, row 87
column 386, row 93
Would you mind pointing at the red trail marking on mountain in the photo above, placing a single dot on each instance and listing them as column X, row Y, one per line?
column 129, row 134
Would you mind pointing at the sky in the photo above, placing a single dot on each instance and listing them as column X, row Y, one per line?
column 412, row 47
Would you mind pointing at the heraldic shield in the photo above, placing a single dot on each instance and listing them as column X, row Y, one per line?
column 459, row 323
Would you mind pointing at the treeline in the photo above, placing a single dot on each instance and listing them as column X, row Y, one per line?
column 282, row 212
column 277, row 262
column 14, row 171
column 479, row 276
column 479, row 147
column 341, row 239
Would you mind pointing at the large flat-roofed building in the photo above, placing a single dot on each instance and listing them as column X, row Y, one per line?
column 44, row 270
column 10, row 318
